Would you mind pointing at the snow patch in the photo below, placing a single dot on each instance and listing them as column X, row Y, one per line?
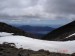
column 2, row 34
column 71, row 35
column 67, row 47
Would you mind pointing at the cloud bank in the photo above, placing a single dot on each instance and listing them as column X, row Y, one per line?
column 51, row 9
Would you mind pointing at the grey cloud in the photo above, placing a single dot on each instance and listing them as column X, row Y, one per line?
column 38, row 8
column 61, row 6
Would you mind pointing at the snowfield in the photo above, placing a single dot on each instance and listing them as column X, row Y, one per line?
column 67, row 47
column 2, row 34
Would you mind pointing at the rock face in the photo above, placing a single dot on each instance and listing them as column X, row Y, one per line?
column 61, row 33
column 7, row 50
column 10, row 29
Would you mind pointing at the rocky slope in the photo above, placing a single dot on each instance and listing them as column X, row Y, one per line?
column 8, row 49
column 10, row 29
column 61, row 33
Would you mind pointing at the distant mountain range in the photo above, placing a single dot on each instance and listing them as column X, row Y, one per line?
column 66, row 32
column 36, row 30
column 26, row 30
column 10, row 29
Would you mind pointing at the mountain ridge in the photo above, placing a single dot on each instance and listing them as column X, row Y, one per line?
column 61, row 33
column 39, row 31
column 10, row 29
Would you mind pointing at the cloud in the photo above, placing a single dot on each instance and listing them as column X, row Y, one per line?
column 51, row 9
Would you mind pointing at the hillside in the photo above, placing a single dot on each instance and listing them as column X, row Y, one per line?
column 10, row 29
column 62, row 33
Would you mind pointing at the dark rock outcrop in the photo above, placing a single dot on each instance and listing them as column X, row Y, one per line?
column 7, row 50
column 61, row 33
column 10, row 29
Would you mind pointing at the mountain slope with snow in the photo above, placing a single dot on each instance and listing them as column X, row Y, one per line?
column 11, row 29
column 61, row 33
column 67, row 47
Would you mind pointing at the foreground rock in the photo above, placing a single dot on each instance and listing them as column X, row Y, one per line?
column 10, row 50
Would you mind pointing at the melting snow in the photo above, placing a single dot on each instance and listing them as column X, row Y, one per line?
column 67, row 47
column 71, row 35
column 2, row 34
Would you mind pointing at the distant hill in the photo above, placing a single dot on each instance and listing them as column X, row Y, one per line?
column 36, row 30
column 10, row 29
column 62, row 33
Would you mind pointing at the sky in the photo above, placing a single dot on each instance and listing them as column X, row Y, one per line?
column 37, row 11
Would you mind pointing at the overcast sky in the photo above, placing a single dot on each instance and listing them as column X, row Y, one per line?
column 37, row 10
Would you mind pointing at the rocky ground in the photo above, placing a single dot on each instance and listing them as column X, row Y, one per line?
column 10, row 50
